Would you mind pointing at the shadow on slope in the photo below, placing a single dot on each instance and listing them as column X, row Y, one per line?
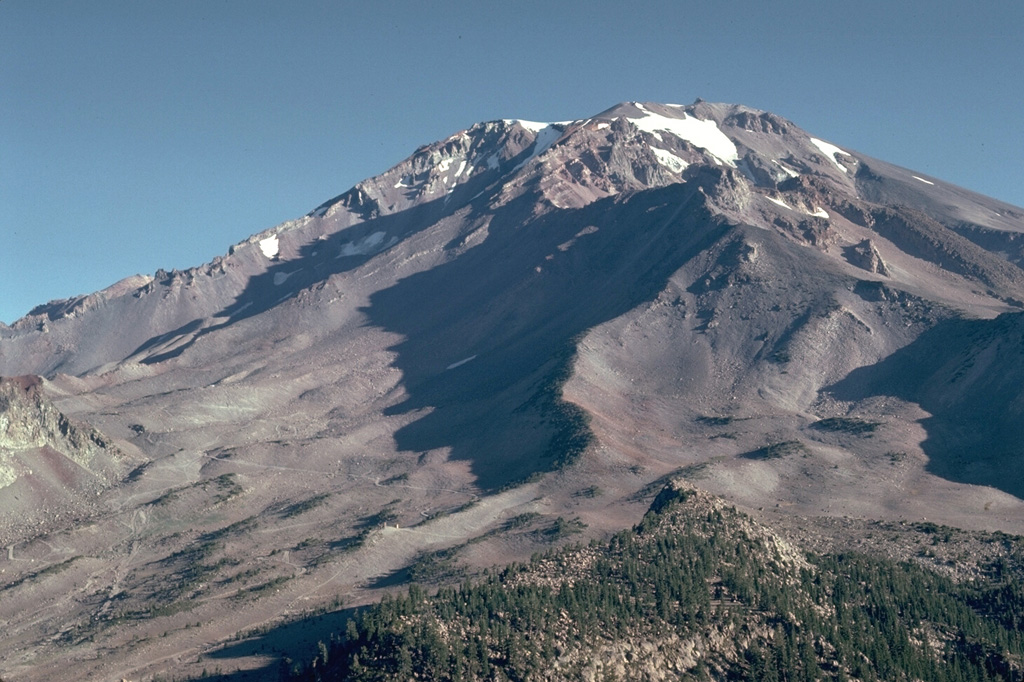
column 293, row 641
column 968, row 375
column 342, row 251
column 490, row 336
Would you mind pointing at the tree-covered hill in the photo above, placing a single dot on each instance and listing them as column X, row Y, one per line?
column 696, row 591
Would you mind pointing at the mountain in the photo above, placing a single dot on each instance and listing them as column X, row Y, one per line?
column 523, row 321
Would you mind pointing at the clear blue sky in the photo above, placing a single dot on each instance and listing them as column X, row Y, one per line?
column 137, row 135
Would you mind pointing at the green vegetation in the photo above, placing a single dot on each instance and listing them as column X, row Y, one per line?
column 852, row 425
column 694, row 576
column 227, row 487
column 589, row 492
column 654, row 487
column 262, row 588
column 520, row 521
column 52, row 569
column 304, row 506
column 561, row 528
column 237, row 527
column 572, row 434
column 777, row 450
column 188, row 570
column 695, row 472
column 571, row 423
column 715, row 421
column 385, row 515
column 168, row 497
column 895, row 457
column 436, row 566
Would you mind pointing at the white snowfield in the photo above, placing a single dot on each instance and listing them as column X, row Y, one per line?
column 927, row 182
column 370, row 244
column 669, row 160
column 703, row 134
column 532, row 126
column 830, row 151
column 546, row 136
column 786, row 169
column 460, row 363
column 818, row 212
column 270, row 246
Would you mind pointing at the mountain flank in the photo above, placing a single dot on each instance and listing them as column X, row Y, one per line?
column 511, row 340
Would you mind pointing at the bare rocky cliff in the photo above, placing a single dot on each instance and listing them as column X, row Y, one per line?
column 49, row 464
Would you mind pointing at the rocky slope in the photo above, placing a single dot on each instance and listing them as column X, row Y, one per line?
column 703, row 291
column 50, row 466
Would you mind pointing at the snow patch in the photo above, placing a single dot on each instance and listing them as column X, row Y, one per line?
column 444, row 164
column 785, row 169
column 462, row 167
column 282, row 277
column 818, row 212
column 492, row 161
column 830, row 151
column 927, row 182
column 532, row 126
column 703, row 134
column 367, row 245
column 669, row 160
column 545, row 138
column 270, row 246
column 460, row 363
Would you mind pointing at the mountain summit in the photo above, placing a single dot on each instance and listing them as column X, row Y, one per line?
column 528, row 320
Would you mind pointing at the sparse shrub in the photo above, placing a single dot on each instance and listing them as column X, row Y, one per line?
column 520, row 520
column 561, row 528
column 853, row 425
column 777, row 450
column 715, row 421
column 304, row 506
column 695, row 472
column 895, row 457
